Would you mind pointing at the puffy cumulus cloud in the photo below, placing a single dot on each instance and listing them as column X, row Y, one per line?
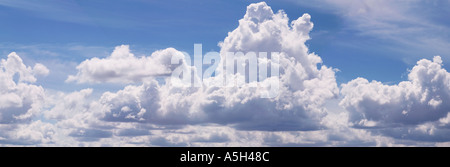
column 34, row 133
column 413, row 109
column 123, row 67
column 134, row 103
column 19, row 98
column 20, row 102
column 76, row 117
column 303, row 87
column 419, row 100
column 168, row 115
column 76, row 109
column 303, row 90
column 100, row 123
column 152, row 103
column 261, row 30
column 305, row 111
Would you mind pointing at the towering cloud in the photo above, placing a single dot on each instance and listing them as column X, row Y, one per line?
column 299, row 105
column 19, row 99
column 154, row 109
column 20, row 102
column 415, row 109
column 419, row 100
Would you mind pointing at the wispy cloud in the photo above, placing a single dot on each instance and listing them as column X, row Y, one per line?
column 72, row 11
column 411, row 24
column 67, row 11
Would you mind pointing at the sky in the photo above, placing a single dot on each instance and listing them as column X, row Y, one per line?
column 352, row 73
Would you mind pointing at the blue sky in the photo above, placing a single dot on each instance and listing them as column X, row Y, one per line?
column 383, row 40
column 151, row 25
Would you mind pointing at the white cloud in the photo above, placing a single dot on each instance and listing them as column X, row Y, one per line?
column 162, row 115
column 20, row 102
column 14, row 64
column 413, row 109
column 415, row 101
column 65, row 106
column 148, row 113
column 123, row 67
column 19, row 99
column 302, row 94
column 34, row 133
column 134, row 103
column 40, row 69
column 77, row 118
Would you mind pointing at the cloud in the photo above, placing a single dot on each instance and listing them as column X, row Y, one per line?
column 148, row 112
column 66, row 106
column 19, row 99
column 20, row 102
column 299, row 106
column 68, row 11
column 383, row 17
column 34, row 133
column 133, row 132
column 410, row 28
column 151, row 112
column 76, row 117
column 216, row 135
column 415, row 101
column 412, row 109
column 134, row 103
column 90, row 134
column 123, row 67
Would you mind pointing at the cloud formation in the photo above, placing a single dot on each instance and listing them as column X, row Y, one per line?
column 416, row 101
column 309, row 108
column 415, row 109
column 123, row 67
column 20, row 102
column 302, row 94
column 413, row 27
column 19, row 98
